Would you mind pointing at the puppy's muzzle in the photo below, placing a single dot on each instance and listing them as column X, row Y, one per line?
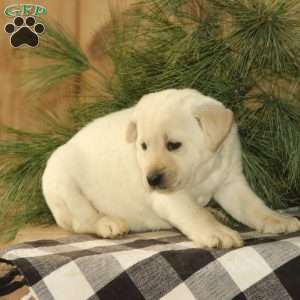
column 155, row 179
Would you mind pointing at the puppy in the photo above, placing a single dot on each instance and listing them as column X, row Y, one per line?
column 156, row 166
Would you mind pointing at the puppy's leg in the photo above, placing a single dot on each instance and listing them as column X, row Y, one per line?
column 237, row 198
column 195, row 222
column 86, row 219
column 73, row 211
column 111, row 227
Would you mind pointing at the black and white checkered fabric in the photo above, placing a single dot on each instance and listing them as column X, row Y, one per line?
column 158, row 265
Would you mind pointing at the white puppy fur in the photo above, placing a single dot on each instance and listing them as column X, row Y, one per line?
column 156, row 166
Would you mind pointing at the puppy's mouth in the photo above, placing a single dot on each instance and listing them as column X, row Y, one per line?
column 166, row 188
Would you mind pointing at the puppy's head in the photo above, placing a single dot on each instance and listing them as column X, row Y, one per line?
column 176, row 132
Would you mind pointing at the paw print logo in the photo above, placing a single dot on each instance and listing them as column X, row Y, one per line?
column 24, row 33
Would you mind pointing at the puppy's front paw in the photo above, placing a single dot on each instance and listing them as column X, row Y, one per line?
column 111, row 227
column 277, row 223
column 219, row 237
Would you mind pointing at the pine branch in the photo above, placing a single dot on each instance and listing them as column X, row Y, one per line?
column 23, row 157
column 63, row 59
column 266, row 34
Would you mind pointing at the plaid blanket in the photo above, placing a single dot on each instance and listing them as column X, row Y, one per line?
column 158, row 265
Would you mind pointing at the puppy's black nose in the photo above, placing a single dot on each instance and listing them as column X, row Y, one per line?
column 154, row 179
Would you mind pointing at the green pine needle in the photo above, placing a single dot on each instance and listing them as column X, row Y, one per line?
column 64, row 60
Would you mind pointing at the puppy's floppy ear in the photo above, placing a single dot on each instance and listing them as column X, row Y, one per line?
column 131, row 132
column 216, row 122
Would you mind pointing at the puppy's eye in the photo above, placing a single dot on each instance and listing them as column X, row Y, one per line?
column 173, row 146
column 144, row 146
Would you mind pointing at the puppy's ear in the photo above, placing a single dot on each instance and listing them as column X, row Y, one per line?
column 131, row 132
column 216, row 122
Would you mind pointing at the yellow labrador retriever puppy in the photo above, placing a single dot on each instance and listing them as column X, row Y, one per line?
column 156, row 166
